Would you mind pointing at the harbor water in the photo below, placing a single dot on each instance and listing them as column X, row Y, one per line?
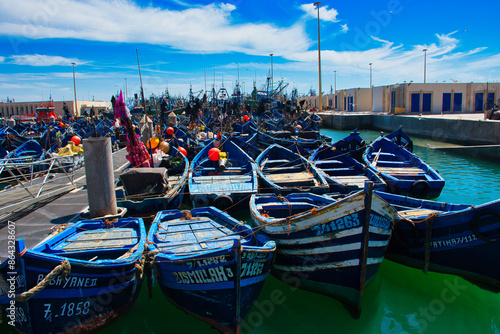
column 399, row 300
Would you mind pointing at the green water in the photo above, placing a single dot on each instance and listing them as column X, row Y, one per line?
column 399, row 300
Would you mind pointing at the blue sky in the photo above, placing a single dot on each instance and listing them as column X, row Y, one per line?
column 179, row 41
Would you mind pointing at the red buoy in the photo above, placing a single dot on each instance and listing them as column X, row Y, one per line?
column 213, row 154
column 77, row 140
column 170, row 130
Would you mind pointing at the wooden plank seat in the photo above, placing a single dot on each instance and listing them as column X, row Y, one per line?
column 402, row 171
column 282, row 178
column 417, row 213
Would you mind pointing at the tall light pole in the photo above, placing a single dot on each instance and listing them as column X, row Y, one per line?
column 370, row 74
column 334, row 90
column 425, row 62
column 272, row 74
column 319, row 62
column 74, row 86
column 371, row 87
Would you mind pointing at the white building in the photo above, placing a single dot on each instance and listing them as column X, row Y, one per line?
column 412, row 98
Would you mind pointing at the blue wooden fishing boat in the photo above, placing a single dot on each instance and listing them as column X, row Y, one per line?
column 343, row 173
column 404, row 172
column 146, row 190
column 225, row 179
column 352, row 145
column 283, row 172
column 209, row 264
column 78, row 281
column 400, row 138
column 332, row 247
column 457, row 239
column 247, row 144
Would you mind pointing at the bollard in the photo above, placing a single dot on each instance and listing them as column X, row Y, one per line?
column 99, row 176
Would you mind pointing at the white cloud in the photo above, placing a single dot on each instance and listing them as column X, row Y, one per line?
column 344, row 28
column 203, row 29
column 44, row 60
column 2, row 59
column 325, row 14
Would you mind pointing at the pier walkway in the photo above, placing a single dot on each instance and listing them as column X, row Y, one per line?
column 62, row 203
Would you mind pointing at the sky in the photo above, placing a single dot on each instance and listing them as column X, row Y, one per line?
column 183, row 44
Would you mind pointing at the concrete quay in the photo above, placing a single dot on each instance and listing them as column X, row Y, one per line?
column 470, row 133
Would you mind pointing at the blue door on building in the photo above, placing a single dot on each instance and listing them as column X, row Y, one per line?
column 426, row 102
column 345, row 103
column 491, row 99
column 457, row 102
column 446, row 101
column 335, row 102
column 351, row 103
column 478, row 102
column 415, row 102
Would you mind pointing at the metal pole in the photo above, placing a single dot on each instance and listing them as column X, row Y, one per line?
column 319, row 62
column 371, row 88
column 140, row 77
column 74, row 86
column 272, row 72
column 425, row 62
column 126, row 89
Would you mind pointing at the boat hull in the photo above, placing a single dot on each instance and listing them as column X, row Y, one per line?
column 458, row 239
column 323, row 249
column 90, row 295
column 216, row 278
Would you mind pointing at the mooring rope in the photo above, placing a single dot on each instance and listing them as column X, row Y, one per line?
column 64, row 269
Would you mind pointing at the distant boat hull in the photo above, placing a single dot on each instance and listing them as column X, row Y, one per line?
column 463, row 240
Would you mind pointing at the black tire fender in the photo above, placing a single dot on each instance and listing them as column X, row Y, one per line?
column 223, row 202
column 475, row 227
column 420, row 188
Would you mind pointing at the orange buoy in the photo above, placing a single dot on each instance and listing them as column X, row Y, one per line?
column 183, row 151
column 170, row 130
column 152, row 143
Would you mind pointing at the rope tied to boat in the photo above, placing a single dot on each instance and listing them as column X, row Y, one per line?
column 62, row 269
column 428, row 237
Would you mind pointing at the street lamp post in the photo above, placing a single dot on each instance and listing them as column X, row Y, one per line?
column 317, row 4
column 272, row 74
column 335, row 82
column 334, row 90
column 74, row 86
column 371, row 87
column 425, row 62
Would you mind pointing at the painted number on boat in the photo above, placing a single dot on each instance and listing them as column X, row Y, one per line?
column 340, row 224
column 66, row 310
column 251, row 269
column 206, row 262
column 379, row 221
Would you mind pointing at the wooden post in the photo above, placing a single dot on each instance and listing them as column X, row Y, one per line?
column 366, row 235
column 237, row 283
column 99, row 176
